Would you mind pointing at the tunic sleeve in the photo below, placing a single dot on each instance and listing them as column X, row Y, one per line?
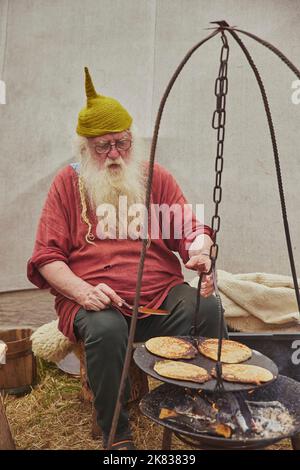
column 184, row 226
column 53, row 239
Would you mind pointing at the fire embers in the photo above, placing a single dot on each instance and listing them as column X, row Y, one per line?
column 229, row 417
column 197, row 415
column 271, row 418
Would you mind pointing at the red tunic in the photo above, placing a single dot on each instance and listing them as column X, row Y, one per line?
column 61, row 237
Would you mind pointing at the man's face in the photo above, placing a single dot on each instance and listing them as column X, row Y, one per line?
column 111, row 151
column 110, row 167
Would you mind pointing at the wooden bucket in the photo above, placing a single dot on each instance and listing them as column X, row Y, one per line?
column 19, row 373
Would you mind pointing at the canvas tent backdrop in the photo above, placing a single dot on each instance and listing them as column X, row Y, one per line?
column 44, row 96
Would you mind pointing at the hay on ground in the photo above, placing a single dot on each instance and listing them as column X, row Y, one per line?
column 53, row 417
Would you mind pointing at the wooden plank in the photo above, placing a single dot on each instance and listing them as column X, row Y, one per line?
column 6, row 439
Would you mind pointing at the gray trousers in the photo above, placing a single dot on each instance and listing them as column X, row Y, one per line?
column 105, row 335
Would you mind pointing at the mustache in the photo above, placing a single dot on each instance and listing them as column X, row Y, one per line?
column 110, row 162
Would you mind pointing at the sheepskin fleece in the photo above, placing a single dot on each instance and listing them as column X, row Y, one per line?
column 50, row 344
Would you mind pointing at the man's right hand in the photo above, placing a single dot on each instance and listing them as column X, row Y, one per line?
column 63, row 280
column 99, row 297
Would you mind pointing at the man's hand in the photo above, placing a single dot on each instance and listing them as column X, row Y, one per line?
column 201, row 263
column 99, row 297
column 61, row 278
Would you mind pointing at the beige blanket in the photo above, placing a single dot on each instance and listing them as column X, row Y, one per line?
column 258, row 301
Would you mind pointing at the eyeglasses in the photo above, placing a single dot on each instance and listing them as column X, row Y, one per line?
column 105, row 146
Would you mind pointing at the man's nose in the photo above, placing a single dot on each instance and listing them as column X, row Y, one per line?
column 114, row 152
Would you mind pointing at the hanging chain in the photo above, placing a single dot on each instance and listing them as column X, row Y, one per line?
column 218, row 123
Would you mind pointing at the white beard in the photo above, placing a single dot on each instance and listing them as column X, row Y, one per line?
column 106, row 185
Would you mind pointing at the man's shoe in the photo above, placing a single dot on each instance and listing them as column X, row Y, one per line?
column 125, row 444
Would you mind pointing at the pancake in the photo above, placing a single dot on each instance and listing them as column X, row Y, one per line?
column 171, row 347
column 245, row 373
column 181, row 371
column 232, row 351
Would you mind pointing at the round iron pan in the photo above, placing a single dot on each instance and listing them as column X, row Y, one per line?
column 145, row 361
column 285, row 390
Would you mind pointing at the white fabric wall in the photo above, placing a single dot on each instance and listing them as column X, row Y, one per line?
column 132, row 48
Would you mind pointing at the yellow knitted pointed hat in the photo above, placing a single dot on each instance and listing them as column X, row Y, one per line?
column 102, row 114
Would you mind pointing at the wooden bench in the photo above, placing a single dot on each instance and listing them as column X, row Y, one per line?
column 138, row 380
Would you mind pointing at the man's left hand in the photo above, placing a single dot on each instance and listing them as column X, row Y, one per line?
column 201, row 263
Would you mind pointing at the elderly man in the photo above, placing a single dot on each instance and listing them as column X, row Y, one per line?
column 92, row 270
